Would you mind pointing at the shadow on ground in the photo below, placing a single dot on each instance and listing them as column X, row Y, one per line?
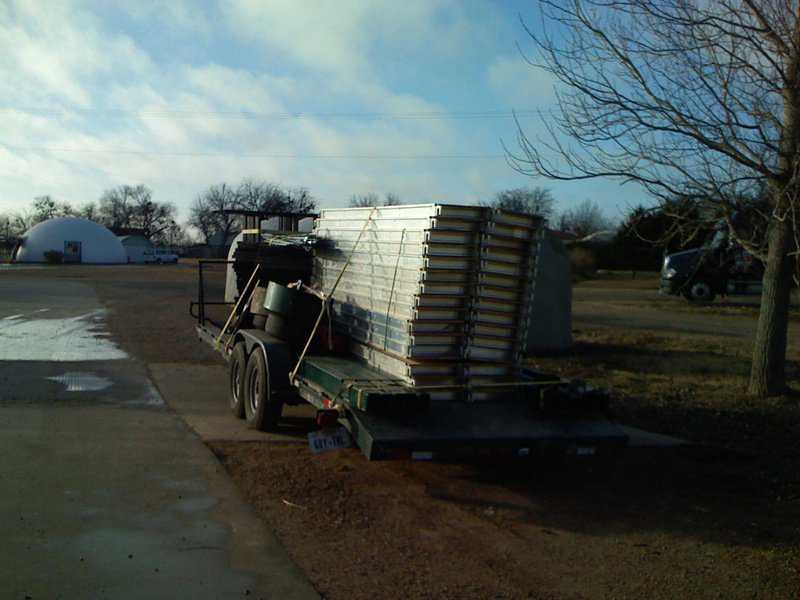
column 710, row 497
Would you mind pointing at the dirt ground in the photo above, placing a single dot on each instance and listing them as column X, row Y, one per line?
column 718, row 521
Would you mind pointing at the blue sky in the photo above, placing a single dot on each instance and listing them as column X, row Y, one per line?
column 181, row 95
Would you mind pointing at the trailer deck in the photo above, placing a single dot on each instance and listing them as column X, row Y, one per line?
column 388, row 418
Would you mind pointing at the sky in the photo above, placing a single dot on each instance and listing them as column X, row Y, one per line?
column 342, row 97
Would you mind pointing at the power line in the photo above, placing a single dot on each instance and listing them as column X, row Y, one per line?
column 255, row 115
column 260, row 155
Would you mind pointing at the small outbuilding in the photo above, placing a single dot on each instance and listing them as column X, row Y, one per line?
column 550, row 328
column 70, row 240
column 138, row 248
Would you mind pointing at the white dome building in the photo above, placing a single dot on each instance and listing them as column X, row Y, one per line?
column 79, row 240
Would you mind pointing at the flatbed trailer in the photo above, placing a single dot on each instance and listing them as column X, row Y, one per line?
column 527, row 413
column 388, row 419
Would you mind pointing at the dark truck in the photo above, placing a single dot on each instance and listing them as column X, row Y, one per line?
column 721, row 267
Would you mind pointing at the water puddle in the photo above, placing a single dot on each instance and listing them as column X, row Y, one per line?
column 82, row 382
column 79, row 338
column 139, row 394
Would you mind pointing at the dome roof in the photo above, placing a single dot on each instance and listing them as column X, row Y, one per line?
column 95, row 243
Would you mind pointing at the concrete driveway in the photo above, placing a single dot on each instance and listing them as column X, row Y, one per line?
column 106, row 493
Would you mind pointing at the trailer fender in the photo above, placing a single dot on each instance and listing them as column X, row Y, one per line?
column 276, row 352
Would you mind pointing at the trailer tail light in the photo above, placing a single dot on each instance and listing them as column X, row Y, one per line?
column 327, row 417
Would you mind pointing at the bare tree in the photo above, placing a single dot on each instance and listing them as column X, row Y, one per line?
column 20, row 222
column 155, row 219
column 7, row 230
column 7, row 238
column 300, row 200
column 535, row 201
column 116, row 205
column 270, row 197
column 206, row 214
column 691, row 99
column 175, row 236
column 90, row 211
column 133, row 207
column 372, row 199
column 392, row 199
column 258, row 195
column 364, row 200
column 583, row 220
column 46, row 207
column 43, row 208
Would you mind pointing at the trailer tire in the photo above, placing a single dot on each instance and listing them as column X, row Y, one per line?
column 236, row 371
column 262, row 407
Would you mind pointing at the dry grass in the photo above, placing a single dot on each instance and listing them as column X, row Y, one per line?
column 694, row 387
column 723, row 308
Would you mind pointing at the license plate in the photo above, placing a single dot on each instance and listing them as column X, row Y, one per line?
column 329, row 439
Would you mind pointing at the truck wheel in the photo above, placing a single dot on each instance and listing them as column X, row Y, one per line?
column 700, row 292
column 262, row 408
column 236, row 369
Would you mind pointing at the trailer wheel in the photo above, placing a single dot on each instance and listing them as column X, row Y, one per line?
column 236, row 369
column 262, row 407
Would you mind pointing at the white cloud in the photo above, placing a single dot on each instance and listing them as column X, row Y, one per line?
column 54, row 50
column 50, row 71
column 343, row 36
column 519, row 84
column 324, row 35
column 187, row 15
column 240, row 90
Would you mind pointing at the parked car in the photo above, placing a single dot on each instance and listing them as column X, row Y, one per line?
column 159, row 256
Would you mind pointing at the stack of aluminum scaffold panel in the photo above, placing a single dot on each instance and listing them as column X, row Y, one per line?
column 503, row 292
column 437, row 295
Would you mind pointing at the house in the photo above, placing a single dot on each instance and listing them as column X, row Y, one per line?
column 137, row 247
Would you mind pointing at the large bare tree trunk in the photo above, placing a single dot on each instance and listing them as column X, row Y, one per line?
column 768, row 371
